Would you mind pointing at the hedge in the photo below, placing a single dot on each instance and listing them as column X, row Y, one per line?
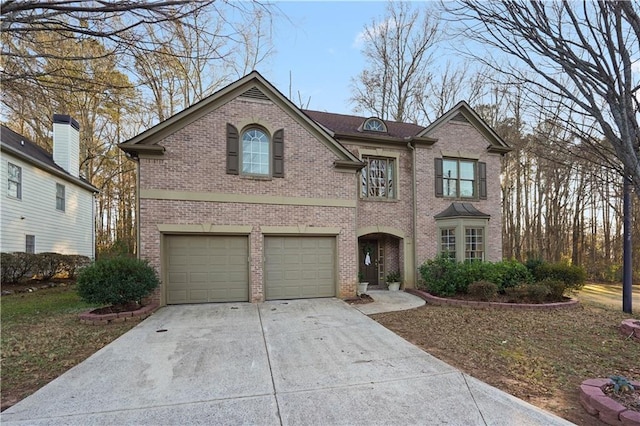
column 17, row 267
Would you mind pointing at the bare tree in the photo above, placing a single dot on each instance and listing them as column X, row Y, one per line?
column 398, row 51
column 582, row 53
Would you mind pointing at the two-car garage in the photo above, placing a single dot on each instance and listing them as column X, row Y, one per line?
column 215, row 268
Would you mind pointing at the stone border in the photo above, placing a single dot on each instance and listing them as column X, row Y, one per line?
column 102, row 319
column 631, row 328
column 610, row 411
column 440, row 301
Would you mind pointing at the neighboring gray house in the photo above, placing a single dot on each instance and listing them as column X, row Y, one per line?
column 46, row 205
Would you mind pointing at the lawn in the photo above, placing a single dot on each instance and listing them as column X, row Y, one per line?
column 42, row 338
column 540, row 357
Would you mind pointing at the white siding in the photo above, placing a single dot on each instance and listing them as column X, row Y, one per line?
column 68, row 232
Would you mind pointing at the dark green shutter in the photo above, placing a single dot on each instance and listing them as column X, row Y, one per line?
column 278, row 153
column 482, row 180
column 233, row 148
column 439, row 192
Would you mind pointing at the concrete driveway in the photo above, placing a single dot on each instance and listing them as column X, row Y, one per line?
column 301, row 362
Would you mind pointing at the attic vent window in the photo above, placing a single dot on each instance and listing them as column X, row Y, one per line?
column 374, row 125
column 255, row 93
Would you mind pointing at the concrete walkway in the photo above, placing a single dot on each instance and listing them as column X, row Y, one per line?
column 301, row 362
column 389, row 301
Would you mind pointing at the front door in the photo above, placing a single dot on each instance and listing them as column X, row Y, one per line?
column 368, row 260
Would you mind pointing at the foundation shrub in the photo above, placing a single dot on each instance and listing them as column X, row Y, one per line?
column 509, row 273
column 528, row 293
column 439, row 276
column 16, row 267
column 483, row 290
column 573, row 276
column 48, row 265
column 557, row 289
column 117, row 281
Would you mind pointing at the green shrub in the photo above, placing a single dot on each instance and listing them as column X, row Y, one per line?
column 117, row 281
column 533, row 263
column 483, row 290
column 557, row 289
column 573, row 276
column 15, row 267
column 445, row 277
column 48, row 265
column 72, row 263
column 509, row 273
column 439, row 276
column 532, row 293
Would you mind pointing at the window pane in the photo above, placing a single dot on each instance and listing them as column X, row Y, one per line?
column 450, row 169
column 466, row 170
column 59, row 197
column 449, row 187
column 466, row 188
column 448, row 242
column 30, row 244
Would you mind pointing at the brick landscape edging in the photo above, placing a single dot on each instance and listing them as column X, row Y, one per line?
column 597, row 403
column 631, row 328
column 435, row 300
column 101, row 319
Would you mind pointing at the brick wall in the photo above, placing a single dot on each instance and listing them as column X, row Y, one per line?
column 195, row 160
column 456, row 136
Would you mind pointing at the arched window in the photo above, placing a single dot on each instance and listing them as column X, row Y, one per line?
column 374, row 125
column 255, row 152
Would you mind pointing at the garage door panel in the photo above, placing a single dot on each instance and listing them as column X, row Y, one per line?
column 299, row 267
column 207, row 269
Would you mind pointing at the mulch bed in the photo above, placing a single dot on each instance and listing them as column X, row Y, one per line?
column 360, row 300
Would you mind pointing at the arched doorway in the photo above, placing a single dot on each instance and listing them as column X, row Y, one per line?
column 378, row 255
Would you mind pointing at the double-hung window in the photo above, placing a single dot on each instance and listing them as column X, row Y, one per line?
column 60, row 197
column 378, row 178
column 474, row 244
column 448, row 243
column 14, row 184
column 255, row 152
column 461, row 178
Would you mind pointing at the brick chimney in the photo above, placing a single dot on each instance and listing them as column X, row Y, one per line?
column 66, row 143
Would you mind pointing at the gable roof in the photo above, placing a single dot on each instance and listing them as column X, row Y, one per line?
column 253, row 85
column 463, row 112
column 21, row 147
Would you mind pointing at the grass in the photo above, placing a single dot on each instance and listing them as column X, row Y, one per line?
column 42, row 338
column 541, row 357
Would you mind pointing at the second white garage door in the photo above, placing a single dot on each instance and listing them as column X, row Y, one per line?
column 299, row 267
column 207, row 268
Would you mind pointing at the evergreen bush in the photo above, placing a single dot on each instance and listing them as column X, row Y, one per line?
column 117, row 281
column 483, row 290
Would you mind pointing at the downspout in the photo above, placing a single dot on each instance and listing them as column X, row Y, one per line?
column 415, row 214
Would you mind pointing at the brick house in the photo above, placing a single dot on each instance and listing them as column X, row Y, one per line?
column 245, row 197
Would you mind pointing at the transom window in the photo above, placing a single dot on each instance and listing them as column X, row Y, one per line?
column 459, row 178
column 14, row 184
column 448, row 242
column 378, row 178
column 374, row 125
column 255, row 152
column 60, row 197
column 474, row 244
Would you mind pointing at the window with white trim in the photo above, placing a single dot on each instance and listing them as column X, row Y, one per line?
column 60, row 197
column 14, row 181
column 448, row 242
column 377, row 178
column 30, row 244
column 374, row 125
column 255, row 152
column 474, row 244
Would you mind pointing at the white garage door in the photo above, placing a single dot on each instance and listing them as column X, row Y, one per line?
column 204, row 269
column 299, row 267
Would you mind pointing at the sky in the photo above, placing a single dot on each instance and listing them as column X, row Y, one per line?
column 318, row 51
